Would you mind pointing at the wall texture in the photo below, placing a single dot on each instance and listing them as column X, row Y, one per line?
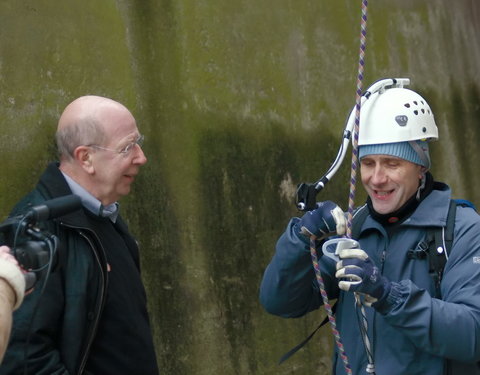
column 239, row 102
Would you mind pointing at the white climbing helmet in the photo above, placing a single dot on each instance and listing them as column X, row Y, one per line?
column 392, row 113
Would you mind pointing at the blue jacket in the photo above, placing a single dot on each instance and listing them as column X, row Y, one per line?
column 412, row 332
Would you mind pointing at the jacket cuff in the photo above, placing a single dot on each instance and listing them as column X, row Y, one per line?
column 298, row 232
column 390, row 300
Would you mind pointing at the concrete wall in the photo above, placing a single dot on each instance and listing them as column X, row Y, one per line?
column 239, row 102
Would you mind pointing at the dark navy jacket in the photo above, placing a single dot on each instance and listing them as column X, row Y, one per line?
column 65, row 322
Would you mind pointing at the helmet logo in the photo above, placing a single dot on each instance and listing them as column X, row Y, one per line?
column 401, row 120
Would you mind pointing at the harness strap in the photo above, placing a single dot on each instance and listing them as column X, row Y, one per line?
column 296, row 348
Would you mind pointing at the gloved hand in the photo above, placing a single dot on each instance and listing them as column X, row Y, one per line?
column 326, row 220
column 357, row 273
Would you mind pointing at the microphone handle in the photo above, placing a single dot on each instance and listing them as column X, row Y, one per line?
column 55, row 207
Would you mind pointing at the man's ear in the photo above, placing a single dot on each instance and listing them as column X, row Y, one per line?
column 83, row 156
column 423, row 170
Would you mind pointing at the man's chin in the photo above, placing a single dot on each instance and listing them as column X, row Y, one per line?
column 125, row 191
column 382, row 208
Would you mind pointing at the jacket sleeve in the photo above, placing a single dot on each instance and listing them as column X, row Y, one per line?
column 7, row 301
column 289, row 288
column 33, row 343
column 449, row 327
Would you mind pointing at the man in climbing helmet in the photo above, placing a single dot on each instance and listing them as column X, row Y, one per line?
column 395, row 126
column 413, row 327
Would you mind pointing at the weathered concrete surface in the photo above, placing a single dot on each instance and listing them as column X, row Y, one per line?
column 239, row 101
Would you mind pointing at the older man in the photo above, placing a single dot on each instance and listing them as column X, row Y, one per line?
column 92, row 317
column 412, row 328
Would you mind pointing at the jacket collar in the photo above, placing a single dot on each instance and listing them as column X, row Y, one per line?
column 52, row 184
column 431, row 212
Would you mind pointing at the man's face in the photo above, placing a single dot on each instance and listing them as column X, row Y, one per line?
column 389, row 181
column 114, row 172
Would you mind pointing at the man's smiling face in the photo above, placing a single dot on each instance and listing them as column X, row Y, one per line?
column 389, row 181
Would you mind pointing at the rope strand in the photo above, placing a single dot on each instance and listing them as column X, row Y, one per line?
column 328, row 307
column 358, row 98
column 351, row 206
column 353, row 176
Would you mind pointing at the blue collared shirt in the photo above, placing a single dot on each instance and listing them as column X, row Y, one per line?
column 91, row 203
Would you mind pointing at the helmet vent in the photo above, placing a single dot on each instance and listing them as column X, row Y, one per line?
column 395, row 115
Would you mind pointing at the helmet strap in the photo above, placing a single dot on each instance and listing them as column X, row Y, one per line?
column 423, row 181
column 424, row 157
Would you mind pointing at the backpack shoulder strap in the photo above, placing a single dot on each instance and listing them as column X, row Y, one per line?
column 465, row 203
column 440, row 241
column 450, row 226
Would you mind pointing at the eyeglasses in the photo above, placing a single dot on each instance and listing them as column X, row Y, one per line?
column 127, row 149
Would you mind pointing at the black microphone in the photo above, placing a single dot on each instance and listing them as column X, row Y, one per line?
column 54, row 208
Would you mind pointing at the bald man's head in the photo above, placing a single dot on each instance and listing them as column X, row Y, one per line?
column 82, row 123
column 100, row 147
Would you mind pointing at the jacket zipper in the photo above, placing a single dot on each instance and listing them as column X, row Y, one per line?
column 97, row 317
column 83, row 361
column 383, row 257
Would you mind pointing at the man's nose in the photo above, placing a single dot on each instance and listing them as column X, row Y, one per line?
column 140, row 157
column 379, row 176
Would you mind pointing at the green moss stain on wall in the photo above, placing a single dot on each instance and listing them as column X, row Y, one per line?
column 50, row 53
column 464, row 139
column 164, row 272
column 269, row 60
column 242, row 199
